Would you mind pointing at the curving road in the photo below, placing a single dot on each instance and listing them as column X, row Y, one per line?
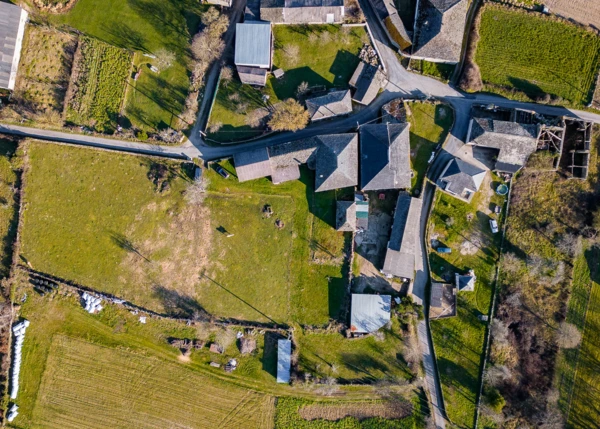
column 401, row 84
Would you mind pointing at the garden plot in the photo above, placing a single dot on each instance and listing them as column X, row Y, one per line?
column 97, row 85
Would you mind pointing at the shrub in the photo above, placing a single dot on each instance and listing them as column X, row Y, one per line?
column 142, row 135
column 494, row 399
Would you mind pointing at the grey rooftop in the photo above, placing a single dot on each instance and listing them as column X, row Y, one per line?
column 12, row 28
column 253, row 44
column 369, row 313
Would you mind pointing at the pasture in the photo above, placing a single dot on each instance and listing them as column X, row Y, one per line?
column 536, row 56
column 98, row 86
column 8, row 209
column 459, row 340
column 144, row 26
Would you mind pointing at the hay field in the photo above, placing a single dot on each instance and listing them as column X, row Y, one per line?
column 536, row 55
column 89, row 386
column 583, row 11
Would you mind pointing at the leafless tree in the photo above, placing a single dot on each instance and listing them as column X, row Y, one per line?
column 210, row 16
column 511, row 263
column 569, row 244
column 569, row 336
column 497, row 374
column 325, row 37
column 302, row 88
column 168, row 135
column 291, row 53
column 256, row 117
column 312, row 38
column 215, row 127
column 164, row 59
column 499, row 331
column 226, row 75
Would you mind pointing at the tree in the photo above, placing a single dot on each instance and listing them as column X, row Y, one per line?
column 226, row 75
column 569, row 336
column 569, row 244
column 499, row 331
column 164, row 59
column 210, row 16
column 291, row 53
column 289, row 115
column 302, row 88
column 168, row 135
column 511, row 264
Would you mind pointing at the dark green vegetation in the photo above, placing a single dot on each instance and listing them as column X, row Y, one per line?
column 536, row 56
column 291, row 413
column 98, row 85
column 363, row 360
column 440, row 71
column 144, row 26
column 459, row 340
column 323, row 56
column 429, row 126
column 9, row 182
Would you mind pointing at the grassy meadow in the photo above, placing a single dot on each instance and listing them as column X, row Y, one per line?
column 8, row 210
column 144, row 26
column 320, row 55
column 429, row 126
column 536, row 55
column 459, row 340
column 439, row 71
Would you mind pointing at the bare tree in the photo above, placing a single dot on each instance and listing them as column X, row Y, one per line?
column 291, row 53
column 302, row 88
column 325, row 37
column 499, row 331
column 226, row 75
column 210, row 16
column 215, row 127
column 289, row 115
column 257, row 117
column 569, row 336
column 569, row 244
column 497, row 374
column 449, row 221
column 169, row 135
column 164, row 59
column 312, row 38
column 511, row 263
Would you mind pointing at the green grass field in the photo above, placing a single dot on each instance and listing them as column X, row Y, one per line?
column 459, row 340
column 144, row 26
column 429, row 125
column 99, row 85
column 583, row 411
column 111, row 227
column 440, row 71
column 325, row 56
column 536, row 55
column 364, row 360
column 8, row 182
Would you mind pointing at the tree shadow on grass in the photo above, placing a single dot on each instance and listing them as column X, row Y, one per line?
column 124, row 36
column 180, row 305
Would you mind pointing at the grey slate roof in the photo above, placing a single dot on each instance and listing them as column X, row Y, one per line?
column 401, row 252
column 466, row 282
column 367, row 80
column 440, row 31
column 284, row 360
column 443, row 300
column 369, row 312
column 385, row 157
column 514, row 141
column 253, row 44
column 333, row 104
column 252, row 75
column 301, row 11
column 345, row 216
column 459, row 176
column 12, row 27
column 336, row 161
column 252, row 164
column 388, row 13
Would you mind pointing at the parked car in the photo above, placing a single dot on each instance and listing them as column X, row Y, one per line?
column 444, row 250
column 494, row 226
column 222, row 171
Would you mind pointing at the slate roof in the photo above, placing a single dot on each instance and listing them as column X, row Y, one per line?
column 252, row 164
column 443, row 300
column 385, row 157
column 333, row 104
column 459, row 176
column 402, row 248
column 345, row 216
column 440, row 31
column 368, row 80
column 284, row 360
column 253, row 44
column 388, row 13
column 465, row 283
column 252, row 75
column 12, row 28
column 514, row 141
column 369, row 312
column 336, row 161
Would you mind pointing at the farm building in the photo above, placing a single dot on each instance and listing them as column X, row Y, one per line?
column 392, row 23
column 224, row 3
column 335, row 103
column 443, row 301
column 369, row 313
column 385, row 157
column 403, row 245
column 334, row 157
column 302, row 11
column 461, row 179
column 439, row 30
column 12, row 28
column 512, row 141
column 352, row 215
column 253, row 51
column 284, row 359
column 465, row 282
column 367, row 80
column 252, row 164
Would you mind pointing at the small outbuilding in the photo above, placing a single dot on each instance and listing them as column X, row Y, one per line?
column 345, row 219
column 302, row 11
column 253, row 51
column 367, row 80
column 12, row 28
column 465, row 282
column 284, row 360
column 335, row 103
column 252, row 164
column 443, row 301
column 369, row 313
column 461, row 179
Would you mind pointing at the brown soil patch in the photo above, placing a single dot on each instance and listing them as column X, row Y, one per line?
column 585, row 12
column 361, row 411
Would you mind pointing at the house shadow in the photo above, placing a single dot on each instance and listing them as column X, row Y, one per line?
column 442, row 268
column 343, row 67
column 269, row 357
column 287, row 86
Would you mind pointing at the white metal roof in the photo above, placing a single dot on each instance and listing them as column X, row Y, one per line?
column 369, row 312
column 284, row 354
column 253, row 44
